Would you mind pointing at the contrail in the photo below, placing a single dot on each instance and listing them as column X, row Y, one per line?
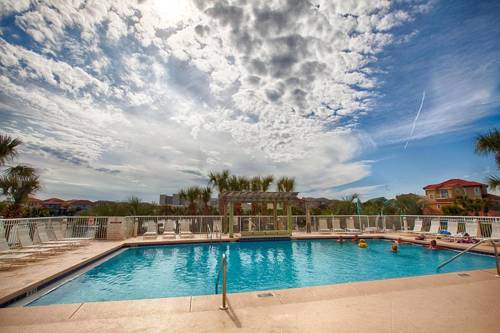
column 415, row 121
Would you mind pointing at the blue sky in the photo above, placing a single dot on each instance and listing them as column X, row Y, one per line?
column 120, row 98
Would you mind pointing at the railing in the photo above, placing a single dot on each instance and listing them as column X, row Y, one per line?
column 223, row 270
column 96, row 227
column 491, row 240
column 70, row 227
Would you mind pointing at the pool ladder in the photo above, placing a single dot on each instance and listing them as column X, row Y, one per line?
column 223, row 270
column 491, row 240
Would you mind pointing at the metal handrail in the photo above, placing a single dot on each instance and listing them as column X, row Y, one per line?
column 491, row 240
column 209, row 233
column 223, row 269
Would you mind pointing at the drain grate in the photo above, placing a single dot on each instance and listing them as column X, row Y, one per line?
column 463, row 274
column 265, row 295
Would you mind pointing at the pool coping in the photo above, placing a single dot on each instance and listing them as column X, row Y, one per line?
column 34, row 287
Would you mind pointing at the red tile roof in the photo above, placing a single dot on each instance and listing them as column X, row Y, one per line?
column 53, row 201
column 451, row 183
column 80, row 202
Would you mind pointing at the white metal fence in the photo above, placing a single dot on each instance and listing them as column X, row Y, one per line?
column 96, row 227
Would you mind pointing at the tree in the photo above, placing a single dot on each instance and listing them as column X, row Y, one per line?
column 490, row 144
column 205, row 196
column 409, row 204
column 17, row 184
column 285, row 184
column 219, row 181
column 8, row 148
column 192, row 195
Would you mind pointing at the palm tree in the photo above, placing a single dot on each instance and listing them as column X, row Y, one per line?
column 219, row 180
column 490, row 144
column 266, row 182
column 285, row 184
column 8, row 148
column 17, row 185
column 192, row 195
column 205, row 196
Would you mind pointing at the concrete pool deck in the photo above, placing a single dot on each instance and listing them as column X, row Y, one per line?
column 444, row 303
column 454, row 301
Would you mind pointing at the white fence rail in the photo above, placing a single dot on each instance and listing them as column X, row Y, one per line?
column 96, row 227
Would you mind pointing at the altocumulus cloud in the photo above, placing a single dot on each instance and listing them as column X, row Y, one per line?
column 146, row 96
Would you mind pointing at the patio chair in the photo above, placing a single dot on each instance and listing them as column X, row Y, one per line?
column 90, row 234
column 152, row 231
column 44, row 238
column 434, row 228
column 26, row 242
column 350, row 226
column 323, row 226
column 184, row 229
column 453, row 230
column 336, row 225
column 5, row 249
column 473, row 229
column 417, row 227
column 495, row 230
column 169, row 229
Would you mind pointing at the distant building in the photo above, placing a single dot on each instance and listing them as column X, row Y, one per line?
column 172, row 200
column 55, row 206
column 444, row 194
column 78, row 205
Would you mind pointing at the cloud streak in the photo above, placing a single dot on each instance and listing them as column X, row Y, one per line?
column 415, row 120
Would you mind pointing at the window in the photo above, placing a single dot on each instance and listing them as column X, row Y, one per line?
column 439, row 206
column 443, row 193
column 477, row 191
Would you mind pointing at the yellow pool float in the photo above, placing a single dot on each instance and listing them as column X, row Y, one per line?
column 362, row 244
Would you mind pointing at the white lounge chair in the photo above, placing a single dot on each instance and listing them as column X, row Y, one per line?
column 434, row 228
column 26, row 242
column 417, row 227
column 323, row 226
column 5, row 249
column 453, row 230
column 473, row 229
column 336, row 225
column 350, row 226
column 152, row 231
column 44, row 238
column 169, row 229
column 90, row 234
column 184, row 231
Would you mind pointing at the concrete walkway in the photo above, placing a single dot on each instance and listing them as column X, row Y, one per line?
column 454, row 302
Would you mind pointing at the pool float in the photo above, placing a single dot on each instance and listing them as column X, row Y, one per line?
column 362, row 244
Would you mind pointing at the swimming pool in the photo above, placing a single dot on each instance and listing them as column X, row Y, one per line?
column 191, row 269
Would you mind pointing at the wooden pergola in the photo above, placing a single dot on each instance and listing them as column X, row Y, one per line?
column 232, row 197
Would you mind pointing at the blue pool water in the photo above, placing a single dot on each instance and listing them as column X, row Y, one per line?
column 181, row 270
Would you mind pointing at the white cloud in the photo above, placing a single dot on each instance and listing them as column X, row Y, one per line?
column 121, row 92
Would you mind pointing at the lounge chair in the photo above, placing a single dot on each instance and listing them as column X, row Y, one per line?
column 473, row 229
column 434, row 228
column 44, row 238
column 90, row 234
column 152, row 231
column 26, row 242
column 350, row 226
column 453, row 230
column 336, row 225
column 323, row 227
column 495, row 230
column 417, row 227
column 184, row 229
column 169, row 229
column 5, row 249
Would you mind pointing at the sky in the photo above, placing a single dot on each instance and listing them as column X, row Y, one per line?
column 121, row 98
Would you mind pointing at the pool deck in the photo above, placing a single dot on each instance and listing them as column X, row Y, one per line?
column 434, row 303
